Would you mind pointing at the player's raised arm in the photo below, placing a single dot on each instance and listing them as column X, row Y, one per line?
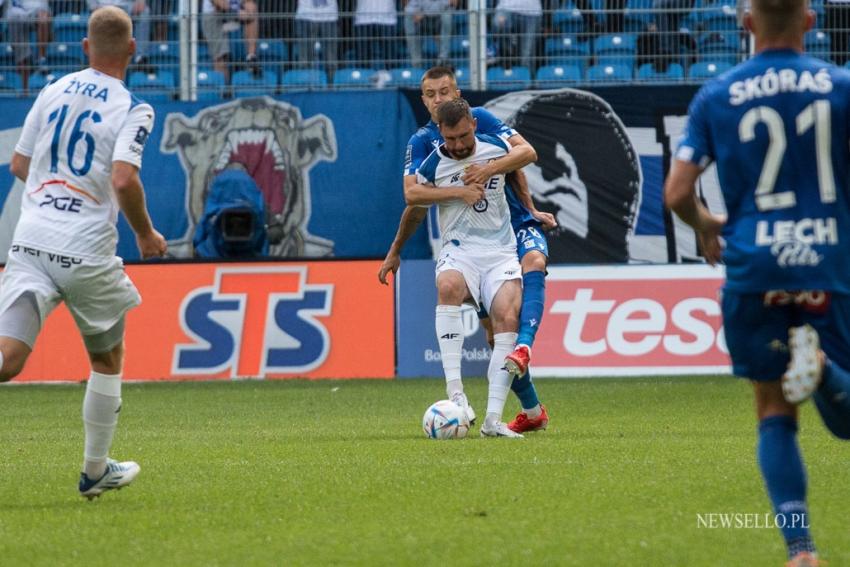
column 411, row 218
column 680, row 196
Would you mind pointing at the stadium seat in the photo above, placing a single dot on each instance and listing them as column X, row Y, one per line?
column 648, row 72
column 514, row 79
column 615, row 49
column 7, row 55
column 462, row 77
column 817, row 43
column 721, row 17
column 246, row 84
column 406, row 77
column 10, row 83
column 719, row 46
column 566, row 50
column 271, row 51
column 39, row 80
column 461, row 24
column 353, row 77
column 69, row 28
column 554, row 76
column 165, row 54
column 67, row 56
column 567, row 19
column 304, row 79
column 639, row 14
column 459, row 48
column 152, row 87
column 211, row 85
column 706, row 70
column 609, row 73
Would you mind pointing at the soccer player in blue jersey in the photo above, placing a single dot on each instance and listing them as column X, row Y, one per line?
column 438, row 86
column 778, row 127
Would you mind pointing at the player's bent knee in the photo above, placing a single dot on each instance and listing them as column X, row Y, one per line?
column 534, row 262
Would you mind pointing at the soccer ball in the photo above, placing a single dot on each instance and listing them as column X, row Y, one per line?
column 445, row 420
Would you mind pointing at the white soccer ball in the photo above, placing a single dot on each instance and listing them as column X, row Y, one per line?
column 445, row 420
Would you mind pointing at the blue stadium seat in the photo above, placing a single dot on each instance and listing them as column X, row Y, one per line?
column 609, row 74
column 165, row 54
column 39, row 80
column 10, row 83
column 406, row 77
column 461, row 23
column 567, row 19
column 7, row 55
column 462, row 77
column 152, row 87
column 648, row 72
column 353, row 77
column 246, row 84
column 68, row 56
column 271, row 51
column 719, row 46
column 817, row 43
column 615, row 49
column 211, row 85
column 721, row 17
column 566, row 50
column 707, row 70
column 430, row 48
column 554, row 76
column 638, row 15
column 514, row 79
column 459, row 48
column 69, row 28
column 304, row 79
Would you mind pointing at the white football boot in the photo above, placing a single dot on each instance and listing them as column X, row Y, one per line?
column 117, row 476
column 805, row 369
column 459, row 398
column 499, row 429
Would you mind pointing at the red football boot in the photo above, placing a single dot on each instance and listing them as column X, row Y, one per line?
column 517, row 362
column 522, row 423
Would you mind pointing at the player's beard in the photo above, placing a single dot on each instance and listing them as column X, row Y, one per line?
column 462, row 153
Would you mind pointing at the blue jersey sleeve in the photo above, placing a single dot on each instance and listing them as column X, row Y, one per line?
column 487, row 123
column 696, row 146
column 417, row 150
column 427, row 171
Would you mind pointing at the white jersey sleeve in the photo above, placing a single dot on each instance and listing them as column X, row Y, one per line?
column 131, row 139
column 29, row 134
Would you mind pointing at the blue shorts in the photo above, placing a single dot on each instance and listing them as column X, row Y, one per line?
column 529, row 236
column 756, row 328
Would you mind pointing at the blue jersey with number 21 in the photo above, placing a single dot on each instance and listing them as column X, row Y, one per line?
column 778, row 127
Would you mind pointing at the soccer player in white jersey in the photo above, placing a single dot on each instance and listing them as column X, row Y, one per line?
column 79, row 154
column 478, row 261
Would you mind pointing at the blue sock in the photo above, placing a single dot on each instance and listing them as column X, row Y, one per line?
column 833, row 400
column 526, row 392
column 533, row 292
column 785, row 479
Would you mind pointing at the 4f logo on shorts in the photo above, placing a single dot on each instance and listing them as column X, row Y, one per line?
column 254, row 322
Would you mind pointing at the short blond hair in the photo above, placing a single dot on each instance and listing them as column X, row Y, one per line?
column 110, row 31
column 779, row 17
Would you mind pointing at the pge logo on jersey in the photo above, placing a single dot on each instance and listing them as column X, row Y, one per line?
column 255, row 321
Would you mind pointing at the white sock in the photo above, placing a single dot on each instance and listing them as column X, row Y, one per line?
column 534, row 412
column 449, row 327
column 453, row 387
column 500, row 380
column 100, row 417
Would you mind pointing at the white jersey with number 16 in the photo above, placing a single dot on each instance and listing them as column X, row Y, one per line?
column 76, row 128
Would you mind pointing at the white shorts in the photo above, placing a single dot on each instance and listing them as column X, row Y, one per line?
column 484, row 269
column 97, row 294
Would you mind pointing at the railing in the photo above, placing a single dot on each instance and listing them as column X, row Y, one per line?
column 186, row 53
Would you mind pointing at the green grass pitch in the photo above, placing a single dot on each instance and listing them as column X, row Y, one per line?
column 340, row 473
